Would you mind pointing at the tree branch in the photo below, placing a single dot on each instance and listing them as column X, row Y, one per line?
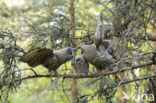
column 138, row 79
column 87, row 76
column 152, row 38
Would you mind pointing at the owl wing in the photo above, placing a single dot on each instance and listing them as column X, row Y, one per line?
column 36, row 56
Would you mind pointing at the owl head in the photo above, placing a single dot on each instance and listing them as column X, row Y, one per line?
column 79, row 60
column 105, row 45
column 103, row 51
column 70, row 53
column 81, row 66
column 88, row 51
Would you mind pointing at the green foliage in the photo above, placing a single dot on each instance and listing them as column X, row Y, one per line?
column 46, row 23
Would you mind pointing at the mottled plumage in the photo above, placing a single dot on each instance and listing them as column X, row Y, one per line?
column 36, row 56
column 100, row 57
column 81, row 66
column 59, row 57
column 48, row 58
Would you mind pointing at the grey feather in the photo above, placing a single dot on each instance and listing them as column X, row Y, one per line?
column 100, row 57
column 59, row 57
column 81, row 66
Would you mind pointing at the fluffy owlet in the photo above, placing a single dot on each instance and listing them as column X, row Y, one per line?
column 48, row 58
column 100, row 58
column 81, row 66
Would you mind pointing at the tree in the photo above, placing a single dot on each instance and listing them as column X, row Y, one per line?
column 127, row 23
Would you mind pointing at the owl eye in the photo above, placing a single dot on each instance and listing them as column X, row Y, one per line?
column 78, row 60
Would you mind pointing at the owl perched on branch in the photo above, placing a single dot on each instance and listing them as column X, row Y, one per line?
column 48, row 58
column 99, row 33
column 81, row 66
column 100, row 58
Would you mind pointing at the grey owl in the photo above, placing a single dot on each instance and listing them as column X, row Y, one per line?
column 48, row 58
column 81, row 66
column 59, row 57
column 100, row 58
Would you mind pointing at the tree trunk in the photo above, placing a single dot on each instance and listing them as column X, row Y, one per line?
column 154, row 45
column 122, row 90
column 72, row 32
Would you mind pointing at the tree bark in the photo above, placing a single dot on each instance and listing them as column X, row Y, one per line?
column 72, row 32
column 122, row 89
column 154, row 45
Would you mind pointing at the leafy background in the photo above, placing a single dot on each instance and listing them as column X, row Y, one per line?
column 46, row 23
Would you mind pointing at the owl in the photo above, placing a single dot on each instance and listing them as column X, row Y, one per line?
column 100, row 58
column 36, row 56
column 48, row 58
column 81, row 66
column 99, row 32
column 59, row 57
